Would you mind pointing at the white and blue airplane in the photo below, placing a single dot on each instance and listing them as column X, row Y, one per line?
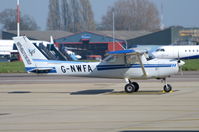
column 124, row 64
column 177, row 52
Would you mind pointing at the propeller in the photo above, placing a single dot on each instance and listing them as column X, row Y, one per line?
column 180, row 64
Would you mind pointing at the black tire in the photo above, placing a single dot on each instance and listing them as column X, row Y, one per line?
column 129, row 88
column 136, row 85
column 167, row 88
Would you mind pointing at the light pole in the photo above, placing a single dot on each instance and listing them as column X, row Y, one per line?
column 18, row 19
column 113, row 14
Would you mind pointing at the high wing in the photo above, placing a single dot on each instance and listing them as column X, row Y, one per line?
column 130, row 52
column 124, row 52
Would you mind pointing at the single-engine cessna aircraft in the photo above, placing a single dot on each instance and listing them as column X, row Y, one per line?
column 125, row 64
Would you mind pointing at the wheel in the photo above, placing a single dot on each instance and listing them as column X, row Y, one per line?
column 130, row 88
column 167, row 88
column 136, row 85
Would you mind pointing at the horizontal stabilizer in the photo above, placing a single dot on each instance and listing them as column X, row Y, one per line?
column 41, row 70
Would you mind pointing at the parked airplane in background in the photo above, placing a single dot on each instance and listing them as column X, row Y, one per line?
column 8, row 45
column 125, row 64
column 177, row 52
column 7, row 48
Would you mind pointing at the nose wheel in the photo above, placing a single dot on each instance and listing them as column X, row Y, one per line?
column 131, row 87
column 167, row 87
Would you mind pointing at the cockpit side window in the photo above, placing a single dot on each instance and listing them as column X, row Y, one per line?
column 132, row 59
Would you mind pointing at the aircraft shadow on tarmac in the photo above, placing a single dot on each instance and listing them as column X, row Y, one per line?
column 92, row 92
column 141, row 92
column 112, row 92
column 83, row 92
column 99, row 91
column 19, row 92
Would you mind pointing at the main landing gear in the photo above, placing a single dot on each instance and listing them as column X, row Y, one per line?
column 134, row 86
column 131, row 87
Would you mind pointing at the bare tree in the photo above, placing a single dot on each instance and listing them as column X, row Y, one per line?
column 77, row 12
column 75, row 15
column 132, row 15
column 54, row 18
column 67, row 19
column 88, row 17
column 8, row 20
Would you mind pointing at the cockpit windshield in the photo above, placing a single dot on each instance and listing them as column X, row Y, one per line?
column 150, row 56
column 160, row 50
column 110, row 59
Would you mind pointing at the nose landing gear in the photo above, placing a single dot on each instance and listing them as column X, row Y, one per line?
column 167, row 87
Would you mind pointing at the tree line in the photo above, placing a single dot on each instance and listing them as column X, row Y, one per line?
column 77, row 16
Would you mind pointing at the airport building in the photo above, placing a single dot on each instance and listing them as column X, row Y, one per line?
column 172, row 35
column 96, row 43
column 35, row 35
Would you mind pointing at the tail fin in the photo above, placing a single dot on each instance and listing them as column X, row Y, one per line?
column 28, row 51
column 51, row 40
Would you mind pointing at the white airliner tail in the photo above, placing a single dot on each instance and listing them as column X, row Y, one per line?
column 28, row 51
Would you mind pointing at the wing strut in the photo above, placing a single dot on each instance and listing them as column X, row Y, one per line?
column 142, row 66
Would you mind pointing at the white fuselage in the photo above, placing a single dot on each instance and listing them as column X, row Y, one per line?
column 177, row 52
column 155, row 68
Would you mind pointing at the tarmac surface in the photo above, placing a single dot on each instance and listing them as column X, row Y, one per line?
column 31, row 103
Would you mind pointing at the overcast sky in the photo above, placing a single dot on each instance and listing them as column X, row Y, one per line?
column 175, row 12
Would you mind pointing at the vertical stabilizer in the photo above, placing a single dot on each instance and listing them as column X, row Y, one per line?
column 28, row 51
column 51, row 40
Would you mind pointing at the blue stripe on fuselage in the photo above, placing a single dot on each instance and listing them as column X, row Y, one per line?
column 57, row 61
column 112, row 67
column 190, row 57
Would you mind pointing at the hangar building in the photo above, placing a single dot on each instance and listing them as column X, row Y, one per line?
column 89, row 43
column 35, row 35
column 171, row 35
